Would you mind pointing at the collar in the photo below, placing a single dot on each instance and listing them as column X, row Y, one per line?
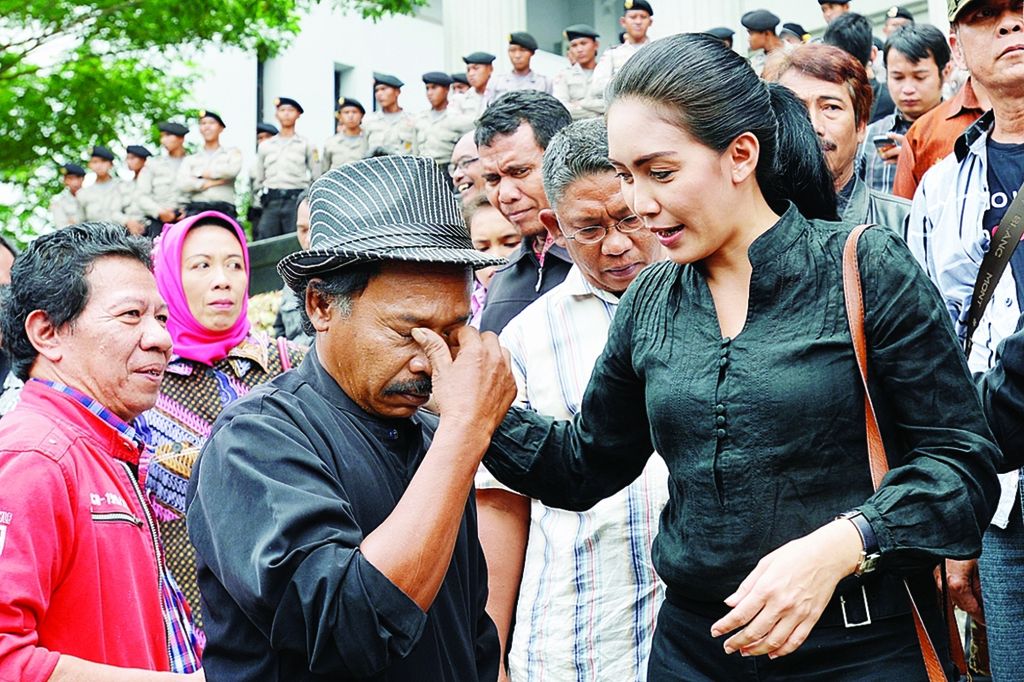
column 252, row 349
column 975, row 132
column 779, row 238
column 122, row 440
column 526, row 249
column 325, row 385
column 577, row 286
column 856, row 206
column 964, row 100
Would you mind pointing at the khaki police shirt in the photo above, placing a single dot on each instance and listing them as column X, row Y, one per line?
column 342, row 148
column 286, row 163
column 470, row 103
column 507, row 82
column 610, row 63
column 395, row 132
column 438, row 131
column 107, row 201
column 572, row 86
column 223, row 163
column 65, row 209
column 157, row 186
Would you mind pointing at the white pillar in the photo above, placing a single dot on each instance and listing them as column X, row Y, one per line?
column 480, row 26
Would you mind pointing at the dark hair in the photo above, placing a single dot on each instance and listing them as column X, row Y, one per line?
column 576, row 151
column 50, row 275
column 713, row 95
column 917, row 42
column 851, row 32
column 8, row 246
column 545, row 114
column 337, row 287
column 826, row 63
column 470, row 208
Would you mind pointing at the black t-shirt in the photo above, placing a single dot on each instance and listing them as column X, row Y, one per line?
column 1005, row 176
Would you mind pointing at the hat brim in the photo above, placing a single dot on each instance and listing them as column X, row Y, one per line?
column 298, row 267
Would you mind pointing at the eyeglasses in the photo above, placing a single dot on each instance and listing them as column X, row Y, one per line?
column 595, row 233
column 461, row 165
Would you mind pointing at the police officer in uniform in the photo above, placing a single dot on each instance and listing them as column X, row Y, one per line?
column 285, row 165
column 156, row 192
column 760, row 25
column 108, row 198
column 793, row 34
column 637, row 16
column 479, row 69
column 135, row 158
column 896, row 18
column 349, row 143
column 391, row 130
column 64, row 207
column 264, row 131
column 207, row 178
column 572, row 84
column 521, row 48
column 439, row 128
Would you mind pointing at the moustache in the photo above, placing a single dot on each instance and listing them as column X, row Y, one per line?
column 828, row 146
column 420, row 387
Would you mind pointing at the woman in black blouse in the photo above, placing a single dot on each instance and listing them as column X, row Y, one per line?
column 734, row 360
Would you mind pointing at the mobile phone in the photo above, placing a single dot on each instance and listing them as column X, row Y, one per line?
column 883, row 142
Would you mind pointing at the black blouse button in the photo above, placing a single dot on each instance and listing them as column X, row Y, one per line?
column 726, row 341
column 723, row 362
column 720, row 420
column 719, row 408
column 720, row 433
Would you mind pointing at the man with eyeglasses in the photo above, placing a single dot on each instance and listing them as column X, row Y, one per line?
column 588, row 588
column 465, row 170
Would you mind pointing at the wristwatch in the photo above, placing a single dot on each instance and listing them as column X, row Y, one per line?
column 869, row 555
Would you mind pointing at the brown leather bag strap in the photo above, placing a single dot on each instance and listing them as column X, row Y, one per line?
column 854, row 296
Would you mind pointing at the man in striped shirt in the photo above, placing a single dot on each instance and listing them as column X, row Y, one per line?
column 589, row 595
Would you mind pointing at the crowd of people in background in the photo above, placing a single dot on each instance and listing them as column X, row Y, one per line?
column 545, row 399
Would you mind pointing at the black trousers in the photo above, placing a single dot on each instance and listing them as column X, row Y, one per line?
column 278, row 213
column 887, row 650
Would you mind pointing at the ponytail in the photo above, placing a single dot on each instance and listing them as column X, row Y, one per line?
column 800, row 173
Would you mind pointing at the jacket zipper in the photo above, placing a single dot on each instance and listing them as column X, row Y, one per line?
column 109, row 517
column 151, row 526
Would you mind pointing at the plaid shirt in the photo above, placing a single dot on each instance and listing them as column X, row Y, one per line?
column 183, row 648
column 879, row 174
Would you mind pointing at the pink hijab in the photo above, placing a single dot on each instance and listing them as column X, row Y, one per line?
column 191, row 339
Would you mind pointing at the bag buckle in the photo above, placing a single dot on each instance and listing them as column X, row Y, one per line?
column 867, row 610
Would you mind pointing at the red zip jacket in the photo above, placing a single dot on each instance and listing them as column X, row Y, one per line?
column 78, row 562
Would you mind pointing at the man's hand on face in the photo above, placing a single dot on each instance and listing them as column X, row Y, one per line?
column 474, row 387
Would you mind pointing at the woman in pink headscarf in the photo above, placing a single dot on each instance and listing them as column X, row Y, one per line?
column 202, row 271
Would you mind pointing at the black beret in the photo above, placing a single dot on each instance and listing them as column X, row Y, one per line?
column 523, row 40
column 759, row 20
column 72, row 169
column 205, row 113
column 580, row 31
column 172, row 128
column 896, row 12
column 290, row 102
column 460, row 78
column 102, row 152
column 437, row 78
column 479, row 58
column 386, row 79
column 795, row 29
column 266, row 128
column 637, row 4
column 721, row 32
column 138, row 150
column 349, row 102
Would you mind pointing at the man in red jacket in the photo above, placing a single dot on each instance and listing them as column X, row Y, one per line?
column 84, row 594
